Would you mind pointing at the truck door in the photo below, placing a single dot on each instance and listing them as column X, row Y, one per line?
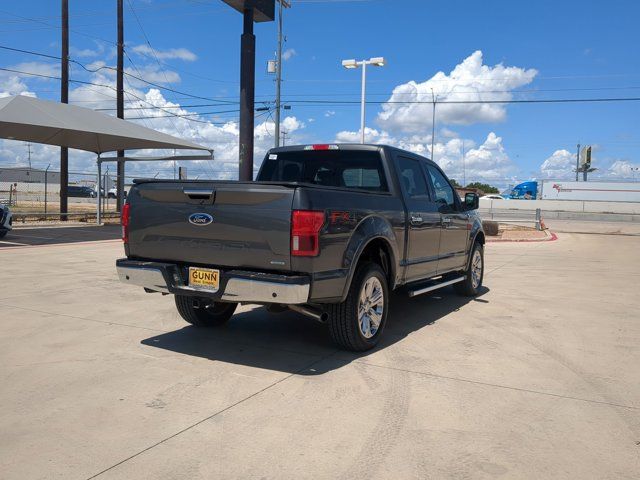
column 423, row 219
column 455, row 234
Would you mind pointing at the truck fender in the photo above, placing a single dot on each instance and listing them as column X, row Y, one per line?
column 474, row 234
column 369, row 229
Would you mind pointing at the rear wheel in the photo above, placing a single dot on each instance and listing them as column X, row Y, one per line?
column 357, row 323
column 474, row 274
column 203, row 312
column 3, row 233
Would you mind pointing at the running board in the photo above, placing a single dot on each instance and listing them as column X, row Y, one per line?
column 420, row 291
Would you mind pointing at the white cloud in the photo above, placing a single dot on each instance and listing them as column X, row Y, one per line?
column 488, row 162
column 38, row 68
column 169, row 54
column 624, row 169
column 88, row 52
column 288, row 54
column 12, row 83
column 470, row 80
column 560, row 165
column 329, row 113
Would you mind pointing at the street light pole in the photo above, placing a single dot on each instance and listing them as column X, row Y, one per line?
column 363, row 101
column 433, row 124
column 375, row 61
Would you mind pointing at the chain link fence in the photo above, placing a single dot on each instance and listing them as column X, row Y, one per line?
column 38, row 198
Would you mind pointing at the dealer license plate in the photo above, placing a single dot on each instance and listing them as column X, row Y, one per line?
column 204, row 278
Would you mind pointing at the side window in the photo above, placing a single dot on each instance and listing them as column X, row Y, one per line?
column 445, row 196
column 412, row 178
column 366, row 178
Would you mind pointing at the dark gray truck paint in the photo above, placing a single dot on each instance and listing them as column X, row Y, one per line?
column 252, row 222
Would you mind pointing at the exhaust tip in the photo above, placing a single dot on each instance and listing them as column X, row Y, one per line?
column 324, row 317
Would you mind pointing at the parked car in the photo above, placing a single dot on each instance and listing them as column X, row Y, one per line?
column 326, row 230
column 6, row 220
column 113, row 193
column 81, row 191
column 493, row 196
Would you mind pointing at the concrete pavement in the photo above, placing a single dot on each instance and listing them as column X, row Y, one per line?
column 536, row 378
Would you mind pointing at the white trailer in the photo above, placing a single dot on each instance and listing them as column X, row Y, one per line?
column 591, row 191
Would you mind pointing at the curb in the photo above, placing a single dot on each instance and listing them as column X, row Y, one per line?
column 550, row 238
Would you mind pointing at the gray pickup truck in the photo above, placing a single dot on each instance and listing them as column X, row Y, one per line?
column 326, row 230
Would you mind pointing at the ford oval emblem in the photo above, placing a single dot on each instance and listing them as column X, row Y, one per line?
column 200, row 219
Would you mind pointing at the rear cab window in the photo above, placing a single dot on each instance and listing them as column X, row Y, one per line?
column 351, row 169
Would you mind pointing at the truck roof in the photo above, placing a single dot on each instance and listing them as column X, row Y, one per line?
column 347, row 146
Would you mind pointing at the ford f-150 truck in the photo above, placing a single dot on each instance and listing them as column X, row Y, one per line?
column 325, row 230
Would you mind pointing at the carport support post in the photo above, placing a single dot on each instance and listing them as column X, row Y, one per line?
column 98, row 195
column 247, row 96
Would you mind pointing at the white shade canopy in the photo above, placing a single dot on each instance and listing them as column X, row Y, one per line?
column 41, row 121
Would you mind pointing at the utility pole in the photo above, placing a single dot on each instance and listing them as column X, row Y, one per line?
column 120, row 104
column 284, row 137
column 577, row 162
column 64, row 98
column 433, row 125
column 282, row 3
column 464, row 169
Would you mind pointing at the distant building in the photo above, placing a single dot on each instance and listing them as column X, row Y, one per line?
column 27, row 175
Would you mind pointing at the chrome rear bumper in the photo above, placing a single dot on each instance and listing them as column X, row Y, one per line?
column 235, row 285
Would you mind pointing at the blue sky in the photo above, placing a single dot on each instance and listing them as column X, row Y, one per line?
column 547, row 50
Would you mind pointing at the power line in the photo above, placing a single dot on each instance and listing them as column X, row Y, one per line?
column 373, row 102
column 410, row 102
column 107, row 67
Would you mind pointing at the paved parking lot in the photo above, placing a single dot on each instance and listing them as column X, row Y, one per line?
column 537, row 378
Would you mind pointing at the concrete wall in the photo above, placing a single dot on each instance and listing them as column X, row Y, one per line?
column 562, row 206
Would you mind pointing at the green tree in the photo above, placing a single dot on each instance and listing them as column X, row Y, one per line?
column 455, row 183
column 486, row 188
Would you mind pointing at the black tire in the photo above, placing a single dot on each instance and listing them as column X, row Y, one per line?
column 202, row 312
column 3, row 233
column 471, row 285
column 344, row 324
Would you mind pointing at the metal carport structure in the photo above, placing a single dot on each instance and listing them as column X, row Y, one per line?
column 41, row 121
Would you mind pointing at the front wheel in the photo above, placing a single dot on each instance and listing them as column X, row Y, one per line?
column 202, row 312
column 357, row 323
column 474, row 273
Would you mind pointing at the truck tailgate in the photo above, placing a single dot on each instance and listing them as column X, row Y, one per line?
column 242, row 225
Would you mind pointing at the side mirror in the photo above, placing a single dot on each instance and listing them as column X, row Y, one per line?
column 471, row 201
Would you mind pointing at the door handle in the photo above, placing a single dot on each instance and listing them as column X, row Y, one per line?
column 198, row 193
column 416, row 219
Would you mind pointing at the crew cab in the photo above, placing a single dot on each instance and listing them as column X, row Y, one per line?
column 325, row 230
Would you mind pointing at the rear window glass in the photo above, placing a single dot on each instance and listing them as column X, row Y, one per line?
column 329, row 168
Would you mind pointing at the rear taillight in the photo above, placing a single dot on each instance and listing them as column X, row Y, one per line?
column 305, row 230
column 125, row 222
